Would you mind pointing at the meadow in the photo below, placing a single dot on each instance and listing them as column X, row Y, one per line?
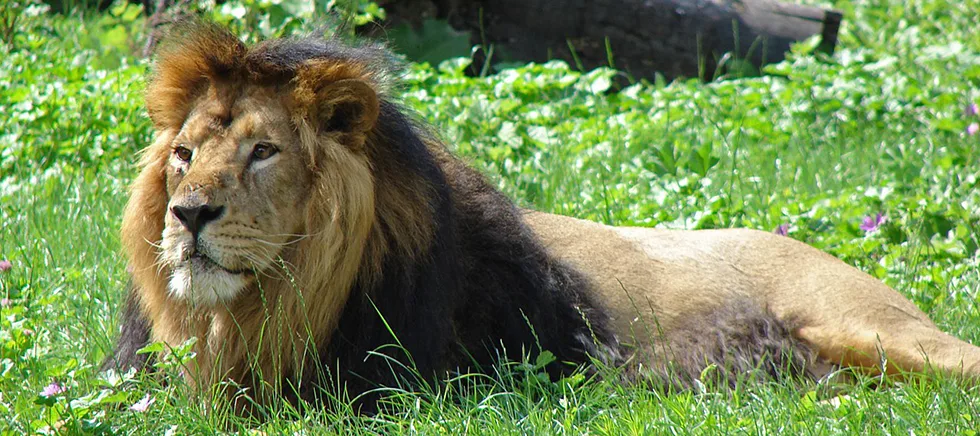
column 872, row 154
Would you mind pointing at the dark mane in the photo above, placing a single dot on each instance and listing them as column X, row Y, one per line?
column 279, row 59
column 486, row 288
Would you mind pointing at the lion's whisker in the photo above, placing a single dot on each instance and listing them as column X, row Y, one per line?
column 275, row 244
column 296, row 235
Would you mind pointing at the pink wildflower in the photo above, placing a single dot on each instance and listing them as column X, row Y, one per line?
column 142, row 405
column 5, row 265
column 782, row 230
column 872, row 223
column 4, row 302
column 972, row 110
column 972, row 129
column 52, row 389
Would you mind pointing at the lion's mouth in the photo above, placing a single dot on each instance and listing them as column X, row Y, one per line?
column 206, row 263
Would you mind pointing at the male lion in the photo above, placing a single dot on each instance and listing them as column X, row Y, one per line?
column 294, row 219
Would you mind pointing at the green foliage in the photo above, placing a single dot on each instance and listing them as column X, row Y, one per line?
column 818, row 145
column 70, row 92
column 257, row 20
column 264, row 19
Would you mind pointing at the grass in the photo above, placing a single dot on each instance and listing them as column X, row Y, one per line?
column 818, row 144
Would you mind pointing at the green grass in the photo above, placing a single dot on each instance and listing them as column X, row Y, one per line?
column 818, row 144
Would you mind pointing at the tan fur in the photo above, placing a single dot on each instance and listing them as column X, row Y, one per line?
column 654, row 278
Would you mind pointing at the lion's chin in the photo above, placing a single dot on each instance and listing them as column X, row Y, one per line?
column 203, row 283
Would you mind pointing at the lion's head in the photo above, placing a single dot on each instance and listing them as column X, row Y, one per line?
column 264, row 199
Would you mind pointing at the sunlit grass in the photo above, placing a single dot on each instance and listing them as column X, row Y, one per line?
column 818, row 146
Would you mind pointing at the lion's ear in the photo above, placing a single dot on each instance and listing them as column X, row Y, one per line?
column 347, row 106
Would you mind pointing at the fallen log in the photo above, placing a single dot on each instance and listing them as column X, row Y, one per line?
column 677, row 38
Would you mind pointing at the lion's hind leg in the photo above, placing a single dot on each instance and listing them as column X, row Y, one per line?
column 739, row 342
column 856, row 321
column 894, row 348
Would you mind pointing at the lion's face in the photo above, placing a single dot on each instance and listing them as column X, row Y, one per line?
column 238, row 183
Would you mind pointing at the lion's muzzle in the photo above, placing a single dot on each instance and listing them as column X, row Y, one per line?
column 202, row 269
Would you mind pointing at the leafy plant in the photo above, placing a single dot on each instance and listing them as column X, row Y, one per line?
column 434, row 42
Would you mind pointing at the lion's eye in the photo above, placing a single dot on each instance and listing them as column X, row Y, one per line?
column 183, row 153
column 264, row 150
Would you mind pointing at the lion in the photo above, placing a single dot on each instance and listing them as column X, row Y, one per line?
column 314, row 237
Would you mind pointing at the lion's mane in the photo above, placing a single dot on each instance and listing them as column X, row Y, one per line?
column 408, row 246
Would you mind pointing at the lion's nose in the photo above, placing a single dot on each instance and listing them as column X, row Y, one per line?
column 195, row 217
